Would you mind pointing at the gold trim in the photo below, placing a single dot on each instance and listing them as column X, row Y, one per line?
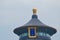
column 34, row 11
column 29, row 33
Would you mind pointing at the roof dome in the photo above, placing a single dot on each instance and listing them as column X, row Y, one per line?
column 37, row 23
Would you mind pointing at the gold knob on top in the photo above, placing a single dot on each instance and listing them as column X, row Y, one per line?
column 34, row 11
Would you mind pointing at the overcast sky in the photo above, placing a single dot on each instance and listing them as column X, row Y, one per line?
column 15, row 13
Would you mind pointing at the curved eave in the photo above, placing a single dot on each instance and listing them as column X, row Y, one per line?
column 44, row 29
column 38, row 24
column 47, row 29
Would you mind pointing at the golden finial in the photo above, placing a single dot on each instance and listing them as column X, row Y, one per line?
column 34, row 11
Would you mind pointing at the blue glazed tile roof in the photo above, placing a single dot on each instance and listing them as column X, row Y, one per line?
column 35, row 22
